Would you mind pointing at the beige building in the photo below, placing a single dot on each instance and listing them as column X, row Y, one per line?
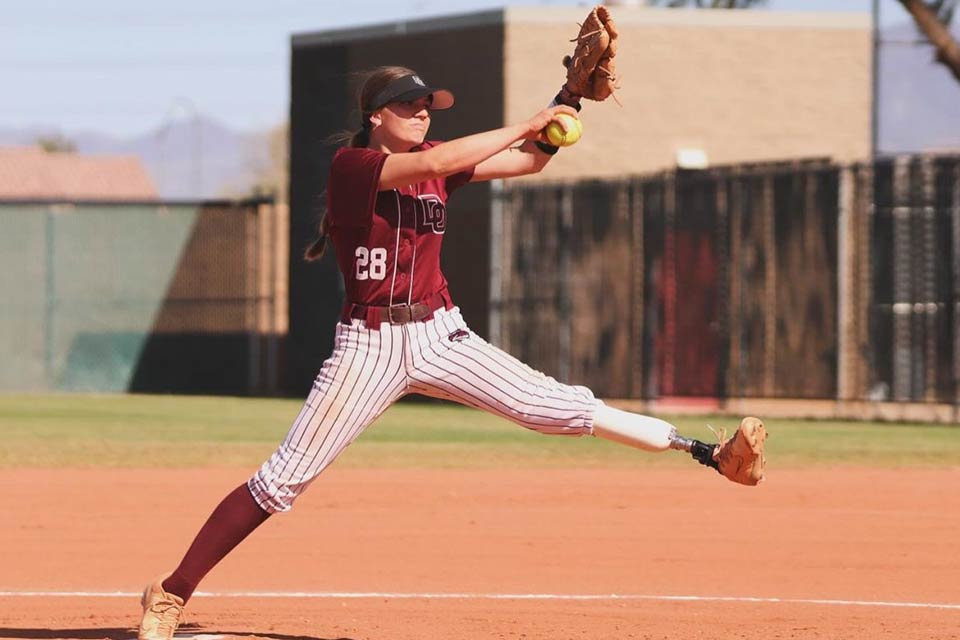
column 730, row 86
column 738, row 86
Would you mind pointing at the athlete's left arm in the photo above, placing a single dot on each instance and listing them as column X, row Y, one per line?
column 520, row 160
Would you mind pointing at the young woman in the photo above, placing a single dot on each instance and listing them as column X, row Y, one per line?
column 400, row 332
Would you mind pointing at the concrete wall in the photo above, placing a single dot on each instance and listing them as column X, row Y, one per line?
column 743, row 86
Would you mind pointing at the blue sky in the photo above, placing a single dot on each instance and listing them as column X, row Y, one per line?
column 123, row 68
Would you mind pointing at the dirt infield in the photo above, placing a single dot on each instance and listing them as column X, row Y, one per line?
column 515, row 554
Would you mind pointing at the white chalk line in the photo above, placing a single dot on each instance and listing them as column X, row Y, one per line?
column 349, row 595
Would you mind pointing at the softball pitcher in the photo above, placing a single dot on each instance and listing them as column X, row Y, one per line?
column 401, row 333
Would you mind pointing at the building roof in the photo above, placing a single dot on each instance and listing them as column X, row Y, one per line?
column 573, row 15
column 30, row 173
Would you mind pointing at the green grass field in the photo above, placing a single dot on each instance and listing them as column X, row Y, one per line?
column 185, row 431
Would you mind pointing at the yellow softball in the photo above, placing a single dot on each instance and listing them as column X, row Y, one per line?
column 560, row 138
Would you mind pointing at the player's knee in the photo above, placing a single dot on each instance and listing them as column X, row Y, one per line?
column 271, row 495
column 554, row 409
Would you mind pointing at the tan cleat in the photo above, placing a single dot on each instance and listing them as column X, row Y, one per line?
column 162, row 612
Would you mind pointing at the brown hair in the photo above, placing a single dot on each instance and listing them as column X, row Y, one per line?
column 372, row 83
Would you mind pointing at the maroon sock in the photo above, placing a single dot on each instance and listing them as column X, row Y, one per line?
column 232, row 521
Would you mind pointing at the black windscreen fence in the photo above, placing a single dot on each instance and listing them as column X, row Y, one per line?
column 782, row 280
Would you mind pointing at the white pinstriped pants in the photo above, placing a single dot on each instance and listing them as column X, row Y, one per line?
column 370, row 370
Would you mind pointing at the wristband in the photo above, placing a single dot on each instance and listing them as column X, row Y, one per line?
column 548, row 149
column 559, row 99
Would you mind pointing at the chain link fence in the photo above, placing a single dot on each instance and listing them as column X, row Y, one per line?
column 139, row 297
column 914, row 339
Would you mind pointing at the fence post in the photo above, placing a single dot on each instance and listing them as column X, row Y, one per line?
column 723, row 181
column 955, row 297
column 50, row 298
column 862, row 238
column 770, row 289
column 269, row 215
column 735, row 315
column 668, row 377
column 251, row 221
column 846, row 307
column 928, row 278
column 902, row 278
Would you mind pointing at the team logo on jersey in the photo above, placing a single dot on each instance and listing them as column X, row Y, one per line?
column 458, row 336
column 433, row 212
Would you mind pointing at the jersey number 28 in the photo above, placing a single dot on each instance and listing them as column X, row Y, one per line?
column 371, row 263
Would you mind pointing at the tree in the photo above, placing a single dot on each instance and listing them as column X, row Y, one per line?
column 933, row 19
column 707, row 4
column 268, row 165
column 56, row 143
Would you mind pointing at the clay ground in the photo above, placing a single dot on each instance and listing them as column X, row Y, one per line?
column 880, row 546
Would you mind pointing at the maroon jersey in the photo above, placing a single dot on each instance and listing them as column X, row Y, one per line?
column 387, row 242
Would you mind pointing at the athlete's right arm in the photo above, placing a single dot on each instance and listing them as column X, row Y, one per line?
column 401, row 169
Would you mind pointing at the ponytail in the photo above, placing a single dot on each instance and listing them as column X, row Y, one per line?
column 373, row 84
column 358, row 138
column 315, row 251
column 362, row 137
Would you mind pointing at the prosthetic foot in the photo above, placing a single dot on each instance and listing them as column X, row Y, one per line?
column 739, row 458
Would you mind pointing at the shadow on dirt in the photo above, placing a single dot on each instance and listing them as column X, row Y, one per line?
column 186, row 632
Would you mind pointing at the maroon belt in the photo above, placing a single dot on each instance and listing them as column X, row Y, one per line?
column 397, row 313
